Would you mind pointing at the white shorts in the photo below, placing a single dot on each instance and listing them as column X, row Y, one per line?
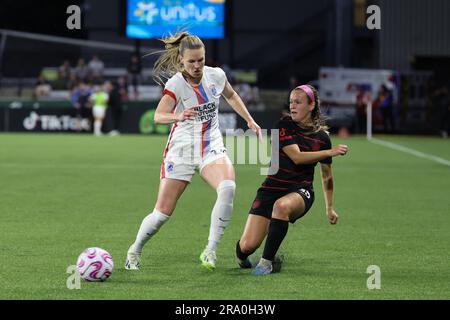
column 98, row 112
column 180, row 161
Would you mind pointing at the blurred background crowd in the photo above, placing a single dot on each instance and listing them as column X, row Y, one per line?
column 264, row 55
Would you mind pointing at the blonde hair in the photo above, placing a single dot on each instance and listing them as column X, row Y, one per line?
column 169, row 62
column 318, row 119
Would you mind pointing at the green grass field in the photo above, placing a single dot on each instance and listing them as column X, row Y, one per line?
column 62, row 193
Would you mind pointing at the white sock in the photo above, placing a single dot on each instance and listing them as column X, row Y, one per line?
column 97, row 127
column 149, row 226
column 221, row 213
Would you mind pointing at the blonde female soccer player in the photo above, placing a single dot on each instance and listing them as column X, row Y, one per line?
column 288, row 195
column 190, row 102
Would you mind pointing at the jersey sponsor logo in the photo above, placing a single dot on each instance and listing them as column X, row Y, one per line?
column 206, row 111
column 305, row 192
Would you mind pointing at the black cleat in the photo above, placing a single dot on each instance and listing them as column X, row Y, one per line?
column 244, row 264
column 277, row 263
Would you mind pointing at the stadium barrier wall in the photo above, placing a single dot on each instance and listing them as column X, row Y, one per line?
column 136, row 118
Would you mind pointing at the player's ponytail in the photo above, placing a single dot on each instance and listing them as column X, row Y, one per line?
column 169, row 62
column 318, row 119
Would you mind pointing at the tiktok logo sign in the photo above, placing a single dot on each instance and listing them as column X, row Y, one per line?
column 31, row 121
column 55, row 123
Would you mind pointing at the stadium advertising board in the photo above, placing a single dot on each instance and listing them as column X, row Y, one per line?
column 135, row 119
column 339, row 88
column 158, row 18
column 46, row 120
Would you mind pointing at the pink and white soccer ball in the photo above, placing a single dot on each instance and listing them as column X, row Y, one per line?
column 95, row 264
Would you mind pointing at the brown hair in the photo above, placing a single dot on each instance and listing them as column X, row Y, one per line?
column 169, row 63
column 318, row 119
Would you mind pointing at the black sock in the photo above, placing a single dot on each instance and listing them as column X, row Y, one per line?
column 277, row 231
column 241, row 255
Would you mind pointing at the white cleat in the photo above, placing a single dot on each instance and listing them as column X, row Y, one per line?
column 133, row 261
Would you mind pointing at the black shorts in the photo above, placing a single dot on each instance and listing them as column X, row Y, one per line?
column 265, row 199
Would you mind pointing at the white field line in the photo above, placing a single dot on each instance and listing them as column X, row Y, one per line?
column 410, row 151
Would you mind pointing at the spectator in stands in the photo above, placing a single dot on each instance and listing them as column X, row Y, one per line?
column 292, row 84
column 72, row 84
column 115, row 103
column 228, row 72
column 62, row 82
column 96, row 69
column 440, row 99
column 255, row 93
column 81, row 70
column 42, row 87
column 385, row 100
column 248, row 94
column 122, row 85
column 361, row 115
column 59, row 84
column 244, row 90
column 134, row 69
column 65, row 72
column 80, row 100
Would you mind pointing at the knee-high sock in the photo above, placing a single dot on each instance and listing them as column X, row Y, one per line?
column 221, row 213
column 149, row 226
column 242, row 255
column 277, row 231
column 97, row 127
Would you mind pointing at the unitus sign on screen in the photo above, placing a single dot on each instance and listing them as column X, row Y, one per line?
column 159, row 18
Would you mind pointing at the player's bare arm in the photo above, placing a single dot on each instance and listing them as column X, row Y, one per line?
column 238, row 105
column 328, row 187
column 164, row 112
column 301, row 157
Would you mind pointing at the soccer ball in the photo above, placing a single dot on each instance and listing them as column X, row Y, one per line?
column 95, row 264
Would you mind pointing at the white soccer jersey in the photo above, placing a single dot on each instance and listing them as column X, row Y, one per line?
column 204, row 129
